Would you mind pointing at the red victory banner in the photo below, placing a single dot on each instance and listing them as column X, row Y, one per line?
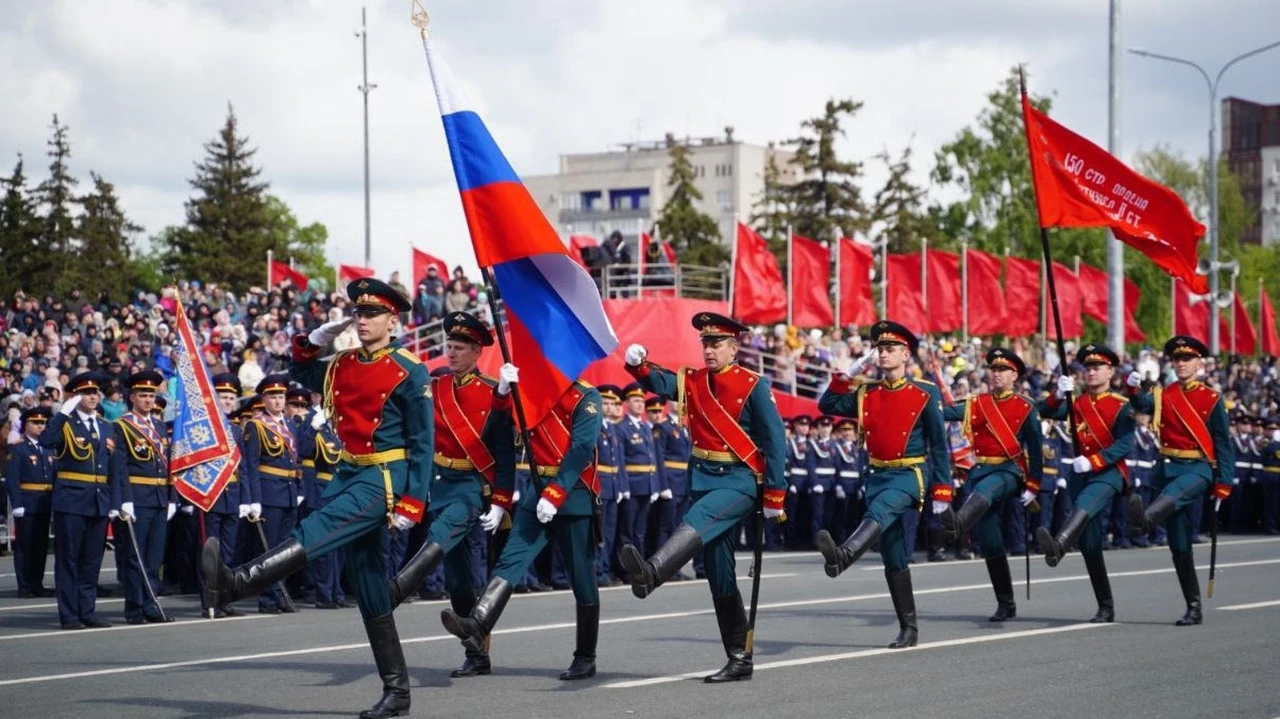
column 1022, row 294
column 986, row 305
column 759, row 296
column 942, row 301
column 810, row 272
column 906, row 294
column 854, row 284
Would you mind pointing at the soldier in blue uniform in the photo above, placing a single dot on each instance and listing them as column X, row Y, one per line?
column 559, row 507
column 641, row 463
column 822, row 476
column 850, row 461
column 326, row 569
column 1269, row 479
column 85, row 490
column 380, row 400
column 474, row 478
column 612, row 477
column 1198, row 458
column 901, row 419
column 28, row 477
column 797, row 463
column 222, row 521
column 738, row 459
column 1142, row 462
column 147, row 499
column 271, row 462
column 673, row 443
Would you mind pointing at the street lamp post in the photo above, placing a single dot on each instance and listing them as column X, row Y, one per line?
column 1212, row 85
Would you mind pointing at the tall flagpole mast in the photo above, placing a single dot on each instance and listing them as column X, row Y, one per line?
column 964, row 289
column 1115, row 250
column 270, row 256
column 791, row 268
column 884, row 280
column 839, row 290
column 733, row 263
column 364, row 89
column 924, row 282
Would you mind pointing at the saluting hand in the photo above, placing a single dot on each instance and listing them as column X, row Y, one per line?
column 636, row 354
column 329, row 331
column 70, row 405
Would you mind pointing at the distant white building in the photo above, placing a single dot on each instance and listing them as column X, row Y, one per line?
column 597, row 193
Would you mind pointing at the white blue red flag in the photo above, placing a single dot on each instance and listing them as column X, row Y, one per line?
column 205, row 456
column 557, row 320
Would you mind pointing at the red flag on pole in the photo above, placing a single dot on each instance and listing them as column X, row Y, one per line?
column 945, row 307
column 987, row 311
column 1022, row 295
column 281, row 272
column 759, row 295
column 906, row 296
column 351, row 273
column 1069, row 303
column 422, row 261
column 1190, row 312
column 1078, row 184
column 577, row 243
column 810, row 284
column 1267, row 318
column 1244, row 341
column 856, row 304
column 1093, row 292
column 1132, row 295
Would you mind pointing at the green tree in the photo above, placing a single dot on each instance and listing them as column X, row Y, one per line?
column 898, row 208
column 771, row 211
column 103, row 262
column 20, row 233
column 229, row 219
column 289, row 239
column 826, row 197
column 693, row 233
column 55, row 195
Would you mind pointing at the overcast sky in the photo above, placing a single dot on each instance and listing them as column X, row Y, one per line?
column 142, row 84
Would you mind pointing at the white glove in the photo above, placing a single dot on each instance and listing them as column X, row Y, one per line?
column 771, row 513
column 940, row 507
column 793, row 489
column 327, row 332
column 1062, row 483
column 19, row 512
column 492, row 519
column 1137, row 483
column 666, row 494
column 1217, row 504
column 318, row 419
column 1028, row 497
column 653, row 497
column 301, row 499
column 1134, row 379
column 70, row 405
column 515, row 496
column 189, row 510
column 1082, row 464
column 1066, row 385
column 626, row 495
column 840, row 492
column 1235, row 481
column 636, row 354
column 817, row 489
column 857, row 366
column 126, row 511
column 545, row 510
column 244, row 511
column 255, row 510
column 113, row 514
column 401, row 523
column 621, row 496
column 173, row 509
column 508, row 375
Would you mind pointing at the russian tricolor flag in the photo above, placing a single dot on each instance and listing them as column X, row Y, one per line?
column 556, row 317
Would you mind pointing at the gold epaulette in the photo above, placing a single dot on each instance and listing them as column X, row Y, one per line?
column 406, row 354
column 582, row 383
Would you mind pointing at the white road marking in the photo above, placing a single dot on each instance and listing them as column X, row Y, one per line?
column 118, row 627
column 826, row 658
column 52, row 605
column 1035, row 556
column 569, row 625
column 621, row 588
column 1255, row 605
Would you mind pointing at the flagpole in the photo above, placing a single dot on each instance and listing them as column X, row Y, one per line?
column 964, row 289
column 836, row 258
column 494, row 298
column 884, row 280
column 1076, row 268
column 1261, row 327
column 924, row 281
column 791, row 268
column 1044, row 300
column 270, row 255
column 733, row 263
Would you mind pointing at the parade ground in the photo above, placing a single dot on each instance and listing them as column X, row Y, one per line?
column 819, row 651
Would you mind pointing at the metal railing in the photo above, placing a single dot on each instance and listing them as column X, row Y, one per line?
column 691, row 282
column 796, row 377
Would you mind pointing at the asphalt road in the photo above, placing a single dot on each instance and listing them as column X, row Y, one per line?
column 819, row 651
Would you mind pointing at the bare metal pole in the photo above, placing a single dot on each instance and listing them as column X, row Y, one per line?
column 1115, row 250
column 364, row 89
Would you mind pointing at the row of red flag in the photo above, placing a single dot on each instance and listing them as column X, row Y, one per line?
column 278, row 271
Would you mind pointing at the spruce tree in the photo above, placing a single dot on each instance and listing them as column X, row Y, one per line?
column 106, row 234
column 20, row 231
column 771, row 211
column 50, row 270
column 827, row 195
column 898, row 211
column 694, row 234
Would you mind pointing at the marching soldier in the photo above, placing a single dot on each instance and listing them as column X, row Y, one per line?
column 1005, row 431
column 738, row 459
column 222, row 521
column 1146, row 452
column 641, row 463
column 612, row 482
column 271, row 461
column 797, row 464
column 474, row 467
column 822, row 475
column 560, row 507
column 29, row 480
column 147, row 501
column 380, row 400
column 674, row 445
column 901, row 422
column 326, row 569
column 848, row 491
column 1104, row 436
column 1197, row 457
column 85, row 490
column 1270, row 477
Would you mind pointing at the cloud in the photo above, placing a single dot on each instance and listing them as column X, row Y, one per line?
column 143, row 84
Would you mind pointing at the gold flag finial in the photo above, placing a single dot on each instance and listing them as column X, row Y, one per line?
column 420, row 18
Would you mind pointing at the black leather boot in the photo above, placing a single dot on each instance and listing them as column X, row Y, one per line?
column 732, row 619
column 414, row 572
column 389, row 658
column 648, row 575
column 226, row 585
column 1002, row 582
column 1143, row 521
column 476, row 663
column 473, row 628
column 1055, row 548
column 904, row 603
column 1185, row 566
column 957, row 524
column 584, row 653
column 1097, row 569
column 839, row 558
